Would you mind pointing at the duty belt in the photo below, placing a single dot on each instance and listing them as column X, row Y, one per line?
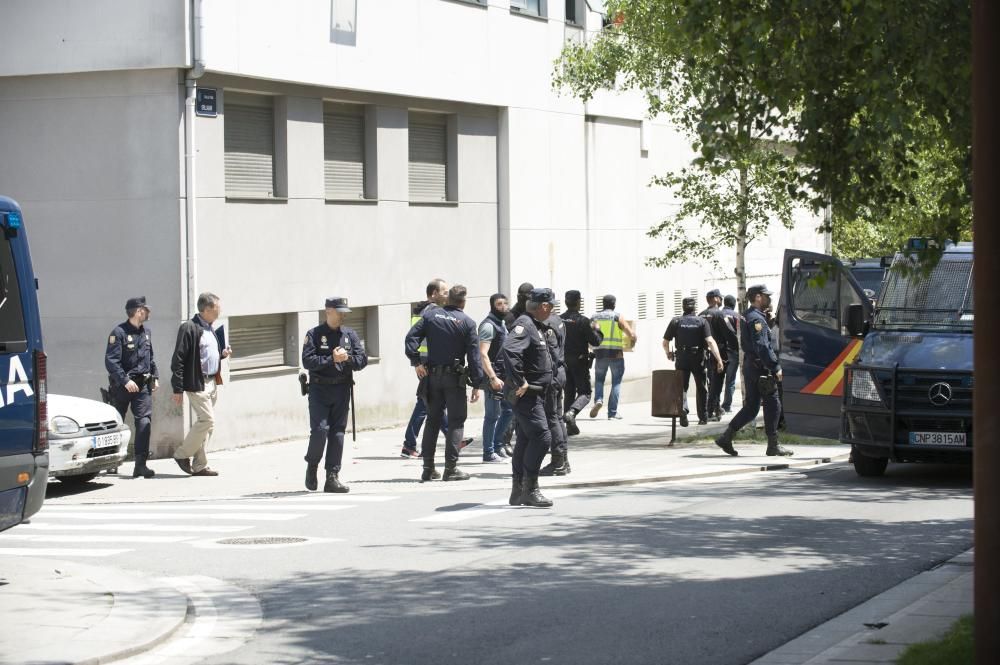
column 330, row 381
column 444, row 369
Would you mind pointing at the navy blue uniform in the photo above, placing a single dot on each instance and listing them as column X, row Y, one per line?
column 526, row 357
column 689, row 333
column 580, row 336
column 554, row 330
column 452, row 339
column 759, row 360
column 716, row 379
column 129, row 357
column 330, row 390
column 729, row 348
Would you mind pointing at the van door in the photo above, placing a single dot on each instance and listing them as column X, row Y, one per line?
column 814, row 344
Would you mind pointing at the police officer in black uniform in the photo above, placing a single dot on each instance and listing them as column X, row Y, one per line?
column 452, row 339
column 518, row 309
column 730, row 349
column 528, row 369
column 716, row 322
column 555, row 338
column 692, row 336
column 761, row 375
column 581, row 334
column 132, row 376
column 331, row 352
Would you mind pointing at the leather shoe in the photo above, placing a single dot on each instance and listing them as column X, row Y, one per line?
column 142, row 470
column 205, row 472
column 429, row 474
column 312, row 482
column 454, row 473
column 184, row 464
column 572, row 429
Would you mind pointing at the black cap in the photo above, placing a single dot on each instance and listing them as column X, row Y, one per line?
column 730, row 301
column 136, row 303
column 572, row 297
column 714, row 293
column 525, row 288
column 758, row 288
column 689, row 303
column 543, row 296
column 339, row 304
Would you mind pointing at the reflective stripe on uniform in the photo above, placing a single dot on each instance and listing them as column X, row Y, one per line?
column 422, row 349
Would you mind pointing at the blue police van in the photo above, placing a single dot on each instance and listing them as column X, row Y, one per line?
column 889, row 375
column 24, row 460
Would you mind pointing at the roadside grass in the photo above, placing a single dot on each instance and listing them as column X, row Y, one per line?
column 955, row 648
column 754, row 435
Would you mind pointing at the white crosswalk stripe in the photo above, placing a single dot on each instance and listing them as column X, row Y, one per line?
column 69, row 552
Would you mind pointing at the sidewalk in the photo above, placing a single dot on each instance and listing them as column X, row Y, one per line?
column 60, row 612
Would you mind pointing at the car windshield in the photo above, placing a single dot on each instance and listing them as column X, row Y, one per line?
column 11, row 315
column 940, row 300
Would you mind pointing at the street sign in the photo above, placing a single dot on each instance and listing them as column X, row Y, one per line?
column 206, row 103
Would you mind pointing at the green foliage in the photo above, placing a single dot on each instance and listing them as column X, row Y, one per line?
column 863, row 90
column 955, row 648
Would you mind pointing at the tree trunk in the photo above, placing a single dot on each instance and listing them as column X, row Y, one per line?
column 741, row 245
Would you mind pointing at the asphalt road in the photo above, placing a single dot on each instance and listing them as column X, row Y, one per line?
column 709, row 572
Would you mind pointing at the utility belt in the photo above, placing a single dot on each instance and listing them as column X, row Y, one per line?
column 446, row 369
column 141, row 380
column 331, row 381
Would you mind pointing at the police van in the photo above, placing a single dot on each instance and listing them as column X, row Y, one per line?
column 890, row 375
column 24, row 460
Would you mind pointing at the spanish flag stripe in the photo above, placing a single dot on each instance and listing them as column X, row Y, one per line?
column 816, row 384
column 835, row 384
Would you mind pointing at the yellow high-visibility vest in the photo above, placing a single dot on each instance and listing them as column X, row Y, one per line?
column 613, row 335
column 422, row 349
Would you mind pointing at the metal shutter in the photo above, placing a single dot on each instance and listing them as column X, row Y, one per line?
column 660, row 305
column 678, row 303
column 428, row 161
column 257, row 341
column 249, row 141
column 642, row 306
column 344, row 155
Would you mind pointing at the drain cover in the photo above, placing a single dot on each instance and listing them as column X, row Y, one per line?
column 265, row 540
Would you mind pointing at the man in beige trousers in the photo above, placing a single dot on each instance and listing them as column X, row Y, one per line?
column 196, row 363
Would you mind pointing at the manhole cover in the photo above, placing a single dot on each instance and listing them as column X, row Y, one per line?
column 265, row 540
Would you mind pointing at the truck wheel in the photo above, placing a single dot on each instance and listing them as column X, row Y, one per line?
column 869, row 466
column 77, row 480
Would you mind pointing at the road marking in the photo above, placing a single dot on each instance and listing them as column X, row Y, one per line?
column 65, row 552
column 84, row 538
column 153, row 516
column 47, row 526
column 486, row 509
column 124, row 509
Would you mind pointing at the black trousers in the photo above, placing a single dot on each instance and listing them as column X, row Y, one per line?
column 534, row 438
column 445, row 390
column 553, row 415
column 700, row 389
column 578, row 390
column 716, row 381
column 328, row 409
column 142, row 411
column 751, row 407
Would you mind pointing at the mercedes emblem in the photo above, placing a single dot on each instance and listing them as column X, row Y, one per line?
column 939, row 394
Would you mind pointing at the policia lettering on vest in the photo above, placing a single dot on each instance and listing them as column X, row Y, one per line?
column 692, row 337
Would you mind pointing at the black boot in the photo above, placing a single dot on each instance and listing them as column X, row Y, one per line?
column 141, row 469
column 333, row 484
column 557, row 467
column 565, row 464
column 531, row 495
column 311, row 481
column 452, row 472
column 775, row 449
column 725, row 441
column 429, row 474
column 515, row 492
column 684, row 419
column 571, row 427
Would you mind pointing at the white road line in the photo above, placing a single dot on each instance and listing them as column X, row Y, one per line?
column 194, row 528
column 64, row 552
column 236, row 507
column 485, row 509
column 102, row 538
column 153, row 517
column 334, row 498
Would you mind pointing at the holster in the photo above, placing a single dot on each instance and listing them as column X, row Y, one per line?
column 106, row 395
column 767, row 385
column 304, row 383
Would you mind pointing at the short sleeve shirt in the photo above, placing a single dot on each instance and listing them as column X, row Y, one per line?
column 486, row 332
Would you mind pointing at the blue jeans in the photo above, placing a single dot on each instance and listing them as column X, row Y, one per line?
column 601, row 367
column 417, row 421
column 732, row 366
column 499, row 413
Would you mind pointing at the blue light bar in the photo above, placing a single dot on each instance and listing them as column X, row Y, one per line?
column 13, row 220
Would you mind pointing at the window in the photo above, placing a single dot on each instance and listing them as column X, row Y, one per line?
column 249, row 145
column 678, row 303
column 11, row 314
column 575, row 12
column 428, row 157
column 642, row 306
column 358, row 319
column 660, row 305
column 599, row 304
column 257, row 341
column 848, row 296
column 532, row 7
column 344, row 153
column 814, row 295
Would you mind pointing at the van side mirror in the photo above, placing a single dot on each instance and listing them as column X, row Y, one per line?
column 855, row 320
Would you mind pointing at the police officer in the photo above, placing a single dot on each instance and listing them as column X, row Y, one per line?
column 528, row 368
column 713, row 314
column 555, row 338
column 761, row 375
column 730, row 349
column 518, row 309
column 581, row 334
column 132, row 376
column 691, row 335
column 331, row 352
column 451, row 340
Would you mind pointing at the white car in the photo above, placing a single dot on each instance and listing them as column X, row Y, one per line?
column 85, row 438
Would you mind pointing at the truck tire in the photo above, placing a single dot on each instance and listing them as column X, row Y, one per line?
column 869, row 467
column 77, row 480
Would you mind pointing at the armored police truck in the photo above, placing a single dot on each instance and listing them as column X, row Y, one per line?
column 895, row 372
column 24, row 461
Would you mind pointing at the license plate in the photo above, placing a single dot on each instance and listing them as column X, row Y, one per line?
column 937, row 438
column 105, row 440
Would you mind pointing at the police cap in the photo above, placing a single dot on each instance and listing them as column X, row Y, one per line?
column 572, row 297
column 543, row 296
column 136, row 303
column 714, row 293
column 758, row 288
column 688, row 304
column 337, row 303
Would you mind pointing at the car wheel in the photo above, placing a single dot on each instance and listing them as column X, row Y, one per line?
column 869, row 466
column 77, row 480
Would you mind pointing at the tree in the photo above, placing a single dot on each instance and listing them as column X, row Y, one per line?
column 851, row 85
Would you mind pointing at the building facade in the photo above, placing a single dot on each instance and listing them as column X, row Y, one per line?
column 280, row 153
